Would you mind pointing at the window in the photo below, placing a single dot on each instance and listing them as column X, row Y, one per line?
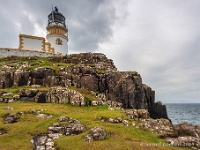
column 59, row 41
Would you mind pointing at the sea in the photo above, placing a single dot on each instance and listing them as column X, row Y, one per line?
column 184, row 112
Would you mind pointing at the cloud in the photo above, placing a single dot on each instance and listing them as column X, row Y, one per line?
column 159, row 39
column 89, row 22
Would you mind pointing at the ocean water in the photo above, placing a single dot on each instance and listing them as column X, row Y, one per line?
column 184, row 113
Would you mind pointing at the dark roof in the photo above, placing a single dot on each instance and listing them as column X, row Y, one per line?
column 55, row 17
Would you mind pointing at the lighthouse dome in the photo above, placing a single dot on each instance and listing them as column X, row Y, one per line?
column 56, row 18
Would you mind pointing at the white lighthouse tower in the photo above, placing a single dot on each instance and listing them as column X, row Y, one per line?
column 57, row 34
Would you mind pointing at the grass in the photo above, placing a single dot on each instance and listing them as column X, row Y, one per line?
column 33, row 62
column 87, row 94
column 100, row 71
column 120, row 137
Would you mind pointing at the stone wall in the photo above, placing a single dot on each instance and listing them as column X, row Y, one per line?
column 7, row 52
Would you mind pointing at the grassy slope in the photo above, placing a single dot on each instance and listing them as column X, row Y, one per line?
column 19, row 134
column 119, row 136
column 34, row 63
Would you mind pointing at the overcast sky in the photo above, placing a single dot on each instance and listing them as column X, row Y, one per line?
column 158, row 38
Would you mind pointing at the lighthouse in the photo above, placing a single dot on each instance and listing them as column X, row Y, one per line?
column 57, row 32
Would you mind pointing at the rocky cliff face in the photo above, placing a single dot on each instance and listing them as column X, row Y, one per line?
column 90, row 71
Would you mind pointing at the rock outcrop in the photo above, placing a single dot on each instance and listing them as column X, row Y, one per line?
column 185, row 134
column 65, row 96
column 95, row 134
column 181, row 135
column 44, row 141
column 137, row 113
column 89, row 71
column 74, row 128
column 114, row 120
column 11, row 118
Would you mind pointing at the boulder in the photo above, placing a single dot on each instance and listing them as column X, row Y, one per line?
column 16, row 97
column 187, row 129
column 114, row 104
column 113, row 120
column 53, row 135
column 74, row 129
column 97, row 103
column 42, row 142
column 160, row 126
column 137, row 113
column 88, row 138
column 125, row 122
column 185, row 134
column 55, row 131
column 63, row 119
column 95, row 134
column 11, row 118
column 65, row 96
column 98, row 133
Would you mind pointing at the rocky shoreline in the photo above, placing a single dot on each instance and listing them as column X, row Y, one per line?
column 181, row 135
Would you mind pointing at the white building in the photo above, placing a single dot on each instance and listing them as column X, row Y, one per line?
column 57, row 36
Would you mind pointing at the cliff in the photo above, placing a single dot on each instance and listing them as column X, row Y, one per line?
column 87, row 71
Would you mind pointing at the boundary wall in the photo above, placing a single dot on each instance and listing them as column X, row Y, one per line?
column 7, row 52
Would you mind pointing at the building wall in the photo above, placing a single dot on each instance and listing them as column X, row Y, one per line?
column 63, row 48
column 33, row 44
column 6, row 52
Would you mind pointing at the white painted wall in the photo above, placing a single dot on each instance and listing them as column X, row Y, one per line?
column 21, row 53
column 58, row 48
column 32, row 44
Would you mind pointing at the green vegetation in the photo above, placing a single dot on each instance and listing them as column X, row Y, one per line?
column 16, row 90
column 19, row 134
column 89, row 96
column 34, row 62
column 100, row 71
column 92, row 65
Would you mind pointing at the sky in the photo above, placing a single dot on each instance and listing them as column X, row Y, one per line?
column 160, row 39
